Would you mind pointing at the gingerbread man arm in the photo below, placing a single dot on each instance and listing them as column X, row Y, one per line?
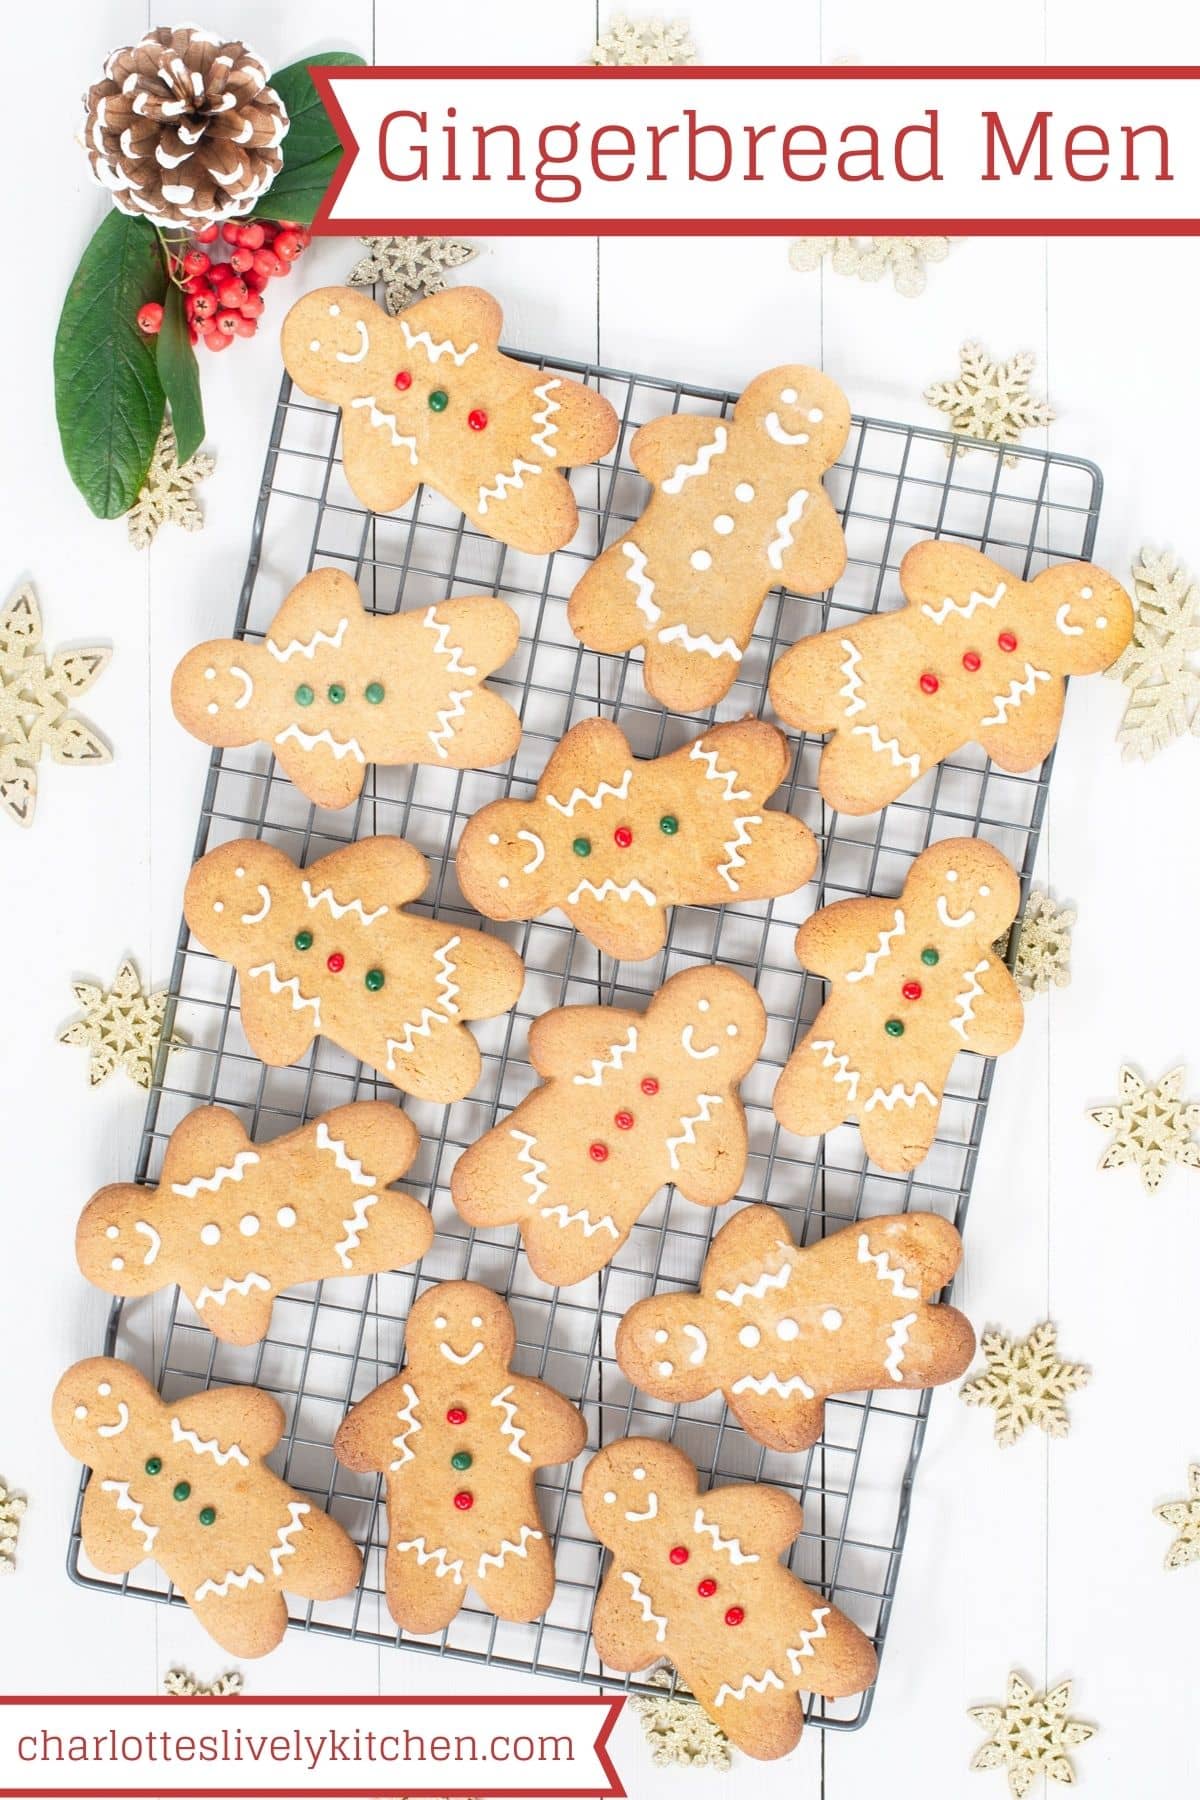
column 755, row 1239
column 362, row 1441
column 815, row 556
column 552, row 1430
column 659, row 449
column 765, row 1517
column 791, row 1424
column 568, row 1043
column 572, row 423
column 244, row 1416
column 379, row 871
column 1021, row 726
column 594, row 752
column 107, row 1531
column 316, row 615
column 209, row 1138
column 924, row 1246
column 990, row 1013
column 277, row 1031
column 950, row 583
column 836, row 941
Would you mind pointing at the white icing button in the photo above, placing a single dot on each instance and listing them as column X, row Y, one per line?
column 787, row 395
column 788, row 1330
column 104, row 1390
column 248, row 1225
column 239, row 873
column 81, row 1412
column 212, row 707
column 831, row 1318
column 731, row 1031
column 335, row 312
column 666, row 1369
column 661, row 1337
column 722, row 524
column 1085, row 593
column 951, row 874
column 210, row 1234
column 118, row 1263
column 440, row 1323
column 700, row 559
column 743, row 491
column 984, row 892
column 639, row 1474
column 315, row 345
column 503, row 881
column 609, row 1498
column 477, row 1323
column 815, row 416
column 218, row 906
column 749, row 1337
column 703, row 1005
column 286, row 1216
column 1102, row 623
column 210, row 674
column 113, row 1231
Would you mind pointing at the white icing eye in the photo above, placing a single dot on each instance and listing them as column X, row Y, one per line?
column 610, row 1498
column 104, row 1390
column 787, row 1330
column 503, row 881
column 788, row 396
column 661, row 1337
column 440, row 1323
column 1102, row 623
column 286, row 1216
column 666, row 1369
column 112, row 1232
column 815, row 416
column 239, row 873
column 1085, row 593
column 722, row 524
column 703, row 1004
column 335, row 312
column 951, row 874
column 210, row 1234
column 218, row 906
column 315, row 345
column 248, row 1226
column 493, row 837
column 212, row 707
column 477, row 1323
column 210, row 674
column 831, row 1318
column 743, row 491
column 639, row 1474
column 118, row 1263
column 984, row 892
column 700, row 559
column 81, row 1412
column 749, row 1337
column 731, row 1031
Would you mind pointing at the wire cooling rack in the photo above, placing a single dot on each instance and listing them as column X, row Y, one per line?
column 332, row 1342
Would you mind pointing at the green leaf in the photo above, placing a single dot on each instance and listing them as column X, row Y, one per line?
column 107, row 394
column 295, row 194
column 310, row 136
column 180, row 375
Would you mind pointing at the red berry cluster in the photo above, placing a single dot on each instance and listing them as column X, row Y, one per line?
column 224, row 299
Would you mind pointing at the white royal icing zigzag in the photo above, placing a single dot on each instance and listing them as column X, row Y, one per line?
column 504, row 481
column 454, row 662
column 187, row 1190
column 308, row 740
column 412, row 1425
column 582, row 1218
column 810, row 1637
column 891, row 746
column 771, row 1384
column 756, row 1683
column 238, row 1578
column 890, row 1098
column 698, row 753
column 446, row 717
column 443, row 1565
column 609, row 886
column 377, row 416
column 882, row 948
column 641, row 1598
column 439, row 1014
column 339, row 908
column 443, row 347
column 854, row 681
column 309, row 646
column 526, row 1537
column 543, row 418
column 731, row 1545
column 349, row 1165
column 580, row 797
column 1017, row 690
column 679, row 634
column 126, row 1504
column 684, row 471
column 734, row 847
column 535, row 1168
column 897, row 1339
column 208, row 1446
column 636, row 572
column 354, row 1227
column 290, row 986
column 509, row 1428
column 615, row 1057
column 885, row 1270
column 687, row 1135
column 220, row 1295
column 784, row 536
column 966, row 1000
column 966, row 609
column 281, row 1547
column 833, row 1059
column 445, row 981
column 756, row 1290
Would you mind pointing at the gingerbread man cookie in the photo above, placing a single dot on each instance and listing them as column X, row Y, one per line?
column 333, row 687
column 696, row 1578
column 614, row 841
column 977, row 656
column 912, row 982
column 630, row 1101
column 459, row 1438
column 737, row 509
column 331, row 949
column 185, row 1482
column 234, row 1223
column 428, row 396
column 777, row 1328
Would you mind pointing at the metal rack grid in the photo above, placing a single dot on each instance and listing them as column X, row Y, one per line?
column 332, row 1342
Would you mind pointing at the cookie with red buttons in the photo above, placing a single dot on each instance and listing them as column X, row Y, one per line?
column 975, row 656
column 428, row 396
column 459, row 1438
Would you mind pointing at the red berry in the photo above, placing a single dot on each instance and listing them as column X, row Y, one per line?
column 217, row 340
column 303, row 237
column 150, row 318
column 204, row 303
column 464, row 1501
column 242, row 259
column 477, row 420
column 227, row 322
column 231, row 231
column 246, row 327
column 196, row 262
column 623, row 1121
column 282, row 267
column 679, row 1555
column 971, row 660
column 598, row 1152
column 208, row 235
column 911, row 990
column 929, row 683
column 649, row 1084
column 457, row 1415
column 267, row 263
column 735, row 1615
column 1007, row 641
column 252, row 306
column 622, row 837
column 233, row 291
column 287, row 245
column 403, row 381
column 706, row 1588
column 335, row 962
column 254, row 281
column 252, row 236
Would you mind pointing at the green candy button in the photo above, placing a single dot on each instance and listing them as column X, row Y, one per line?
column 582, row 846
column 668, row 824
column 373, row 979
column 303, row 940
column 929, row 956
column 181, row 1490
column 894, row 1028
column 374, row 692
column 461, row 1459
column 154, row 1465
column 336, row 692
column 439, row 400
column 208, row 1515
column 304, row 695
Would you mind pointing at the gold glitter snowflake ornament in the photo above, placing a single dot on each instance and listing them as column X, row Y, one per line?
column 1026, row 1383
column 679, row 1732
column 636, row 43
column 871, row 258
column 1030, row 1735
column 1160, row 666
column 183, row 1683
column 168, row 497
column 1183, row 1516
column 990, row 401
column 35, row 705
column 1151, row 1126
column 1043, row 946
column 12, row 1511
column 410, row 267
column 121, row 1027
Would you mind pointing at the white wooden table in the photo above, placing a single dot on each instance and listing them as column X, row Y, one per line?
column 1044, row 1557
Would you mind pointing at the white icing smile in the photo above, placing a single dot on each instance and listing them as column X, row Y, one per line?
column 247, row 687
column 700, row 1055
column 364, row 344
column 1062, row 619
column 701, row 1342
column 256, row 918
column 651, row 1512
column 111, row 1431
column 539, row 851
column 148, row 1231
column 778, row 434
column 948, row 918
column 454, row 1357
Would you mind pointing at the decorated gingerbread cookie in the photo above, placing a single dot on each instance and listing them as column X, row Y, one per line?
column 614, row 841
column 696, row 1578
column 737, row 509
column 235, row 1223
column 185, row 1483
column 459, row 1438
column 912, row 981
column 333, row 687
column 629, row 1102
column 331, row 949
column 428, row 396
column 777, row 1328
column 976, row 656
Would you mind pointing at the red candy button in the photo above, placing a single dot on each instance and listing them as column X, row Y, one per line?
column 622, row 837
column 456, row 1415
column 403, row 380
column 464, row 1501
column 911, row 990
column 649, row 1085
column 598, row 1152
column 929, row 684
column 1007, row 641
column 734, row 1616
column 971, row 660
column 679, row 1555
column 706, row 1588
column 477, row 420
column 623, row 1121
column 335, row 963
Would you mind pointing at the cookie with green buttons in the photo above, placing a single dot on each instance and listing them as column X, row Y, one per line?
column 333, row 687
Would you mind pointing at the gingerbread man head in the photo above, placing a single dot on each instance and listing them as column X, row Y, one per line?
column 106, row 1414
column 798, row 408
column 454, row 1325
column 971, row 888
column 218, row 680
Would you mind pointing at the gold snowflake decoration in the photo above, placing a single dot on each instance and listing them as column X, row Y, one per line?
column 679, row 1731
column 168, row 497
column 1183, row 1516
column 1043, row 957
column 410, row 267
column 1151, row 1127
column 1030, row 1735
column 1026, row 1382
column 12, row 1511
column 1161, row 664
column 121, row 1026
column 990, row 401
column 35, row 705
column 635, row 43
column 183, row 1683
column 871, row 258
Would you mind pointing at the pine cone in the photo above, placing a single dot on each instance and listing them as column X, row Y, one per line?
column 184, row 129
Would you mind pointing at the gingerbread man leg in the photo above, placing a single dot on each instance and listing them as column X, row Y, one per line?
column 765, row 1725
column 245, row 1621
column 425, row 1586
column 516, row 1577
column 817, row 1089
column 791, row 1424
column 899, row 1137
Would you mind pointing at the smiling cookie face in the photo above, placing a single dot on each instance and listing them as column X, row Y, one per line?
column 215, row 685
column 98, row 1407
column 117, row 1246
column 799, row 409
column 456, row 1325
column 973, row 888
column 239, row 880
column 1092, row 616
column 722, row 1023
